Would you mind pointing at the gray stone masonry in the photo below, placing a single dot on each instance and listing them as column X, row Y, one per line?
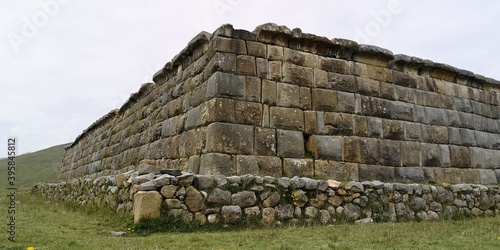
column 279, row 102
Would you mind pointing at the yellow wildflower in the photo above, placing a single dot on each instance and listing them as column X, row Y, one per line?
column 30, row 248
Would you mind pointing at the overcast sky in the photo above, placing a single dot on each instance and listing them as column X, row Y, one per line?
column 66, row 63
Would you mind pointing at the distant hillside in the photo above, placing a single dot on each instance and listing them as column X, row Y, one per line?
column 40, row 166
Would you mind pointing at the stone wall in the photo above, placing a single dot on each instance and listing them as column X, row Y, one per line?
column 280, row 102
column 210, row 199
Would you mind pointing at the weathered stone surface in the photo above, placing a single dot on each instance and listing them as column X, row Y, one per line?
column 268, row 215
column 213, row 164
column 284, row 212
column 286, row 118
column 169, row 191
column 147, row 205
column 272, row 200
column 299, row 167
column 230, row 138
column 220, row 196
column 204, row 181
column 231, row 214
column 325, row 147
column 290, row 144
column 194, row 199
column 244, row 199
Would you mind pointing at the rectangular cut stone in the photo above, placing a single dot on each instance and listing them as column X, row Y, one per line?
column 290, row 143
column 274, row 52
column 375, row 128
column 456, row 175
column 430, row 155
column 368, row 86
column 334, row 65
column 436, row 116
column 256, row 49
column 247, row 164
column 225, row 62
column 275, row 70
column 346, row 102
column 253, row 89
column 298, row 75
column 218, row 110
column 404, row 79
column 300, row 58
column 339, row 123
column 340, row 82
column 325, row 147
column 440, row 134
column 410, row 174
column 262, row 68
column 389, row 152
column 351, row 149
column 310, row 122
column 286, row 118
column 288, row 95
column 230, row 138
column 444, row 156
column 410, row 154
column 270, row 166
column 361, row 126
column 269, row 92
column 336, row 170
column 402, row 111
column 225, row 85
column 460, row 157
column 245, row 65
column 305, row 98
column 214, row 164
column 369, row 148
column 320, row 78
column 265, row 141
column 324, row 100
column 249, row 113
column 231, row 45
column 393, row 129
column 375, row 172
column 487, row 177
column 412, row 131
column 298, row 167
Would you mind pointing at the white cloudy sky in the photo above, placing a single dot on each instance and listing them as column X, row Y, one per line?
column 66, row 63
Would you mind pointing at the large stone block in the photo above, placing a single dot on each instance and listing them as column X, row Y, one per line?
column 389, row 152
column 412, row 131
column 230, row 138
column 256, row 49
column 402, row 111
column 269, row 92
column 218, row 110
column 324, row 100
column 374, row 172
column 305, row 98
column 430, row 155
column 245, row 65
column 375, row 128
column 147, row 205
column 265, row 141
column 325, row 147
column 338, row 124
column 361, row 126
column 247, row 164
column 225, row 62
column 269, row 165
column 225, row 85
column 341, row 82
column 487, row 176
column 456, row 175
column 320, row 79
column 393, row 129
column 368, row 86
column 436, row 116
column 275, row 52
column 214, row 164
column 410, row 154
column 288, row 95
column 440, row 134
column 290, row 144
column 249, row 113
column 467, row 137
column 410, row 174
column 460, row 157
column 369, row 149
column 336, row 170
column 444, row 156
column 275, row 70
column 298, row 75
column 231, row 45
column 298, row 167
column 300, row 58
column 286, row 118
column 253, row 89
column 335, row 65
column 346, row 102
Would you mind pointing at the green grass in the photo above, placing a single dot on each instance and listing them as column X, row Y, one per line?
column 40, row 166
column 46, row 225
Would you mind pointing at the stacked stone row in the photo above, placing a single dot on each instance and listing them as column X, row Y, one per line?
column 268, row 200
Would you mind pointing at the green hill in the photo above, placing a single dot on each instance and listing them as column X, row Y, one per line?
column 40, row 166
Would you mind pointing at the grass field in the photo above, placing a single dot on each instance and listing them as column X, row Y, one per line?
column 40, row 166
column 45, row 225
